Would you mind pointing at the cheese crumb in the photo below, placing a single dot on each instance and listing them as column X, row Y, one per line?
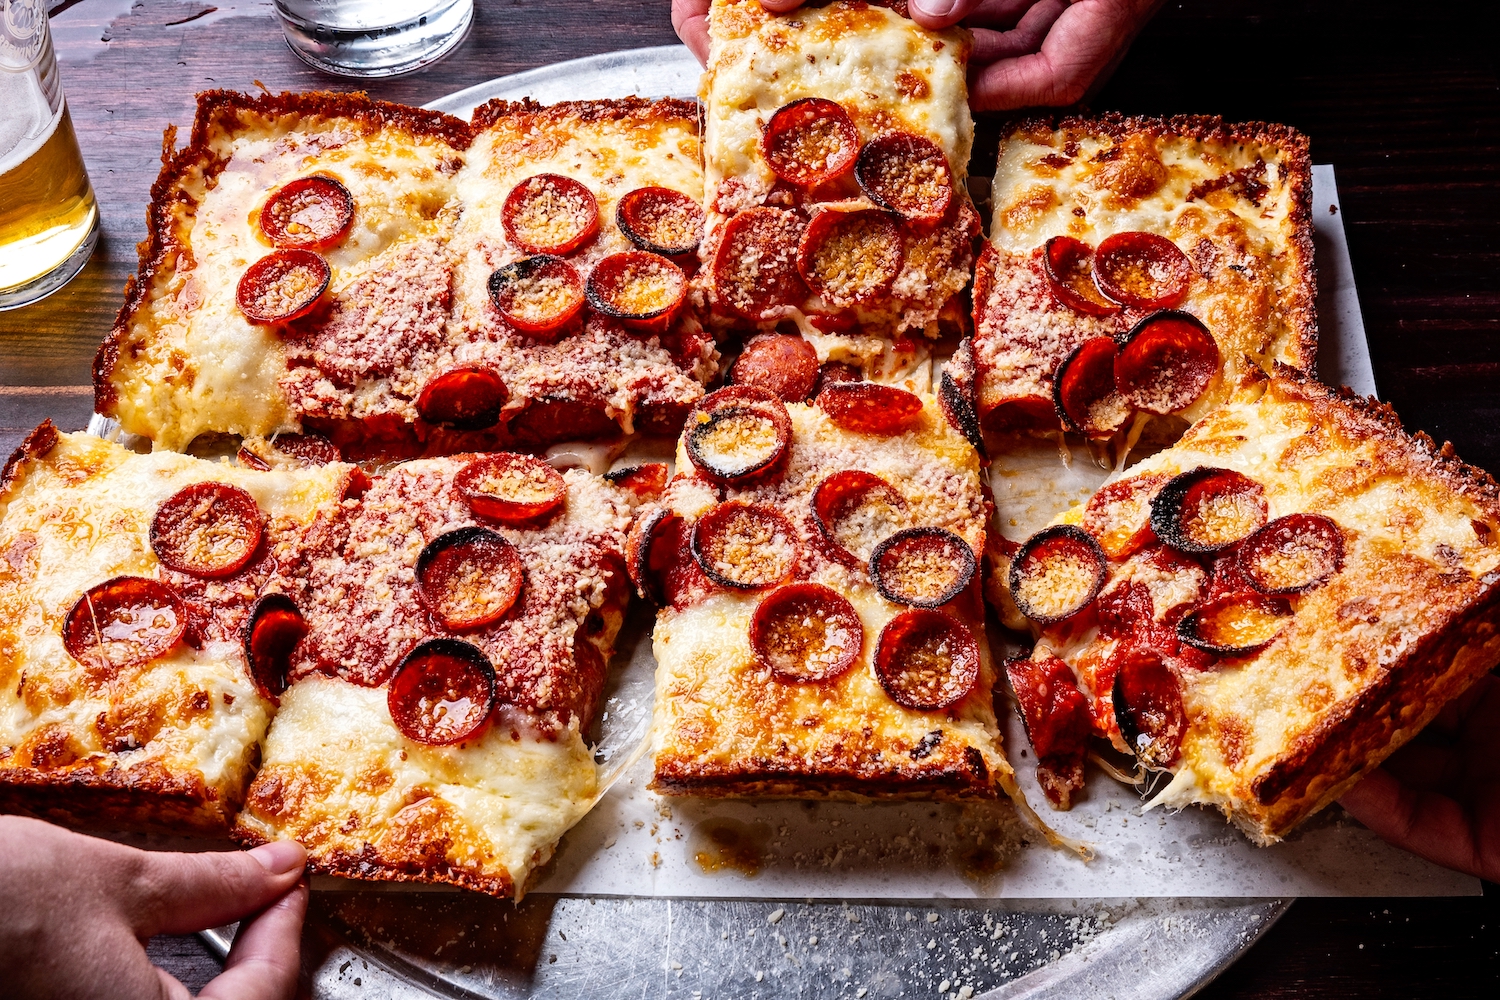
column 776, row 915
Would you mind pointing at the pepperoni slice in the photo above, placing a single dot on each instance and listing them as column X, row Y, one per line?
column 1235, row 625
column 1119, row 515
column 958, row 394
column 1166, row 363
column 870, row 408
column 269, row 637
column 906, row 174
column 745, row 545
column 550, row 214
column 537, row 295
column 806, row 633
column 442, row 692
column 282, row 286
column 124, row 622
column 469, row 577
column 1207, row 509
column 855, row 510
column 468, row 398
column 642, row 290
column 310, row 213
column 1293, row 554
column 755, row 266
column 511, row 489
column 923, row 567
column 1068, row 264
column 1056, row 573
column 1143, row 270
column 738, row 433
column 308, row 450
column 850, row 258
column 1083, row 390
column 783, row 364
column 207, row 529
column 1057, row 720
column 810, row 142
column 659, row 560
column 660, row 220
column 645, row 481
column 926, row 660
column 1148, row 707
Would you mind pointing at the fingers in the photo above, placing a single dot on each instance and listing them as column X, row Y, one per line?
column 1080, row 45
column 690, row 21
column 1025, row 38
column 180, row 893
column 171, row 988
column 265, row 959
column 939, row 14
column 780, row 6
column 1425, row 823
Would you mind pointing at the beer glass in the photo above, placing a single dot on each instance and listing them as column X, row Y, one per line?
column 368, row 38
column 48, row 219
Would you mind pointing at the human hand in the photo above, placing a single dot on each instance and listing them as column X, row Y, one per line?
column 1026, row 52
column 78, row 911
column 1439, row 796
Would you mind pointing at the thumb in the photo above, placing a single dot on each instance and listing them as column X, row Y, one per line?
column 938, row 14
column 182, row 893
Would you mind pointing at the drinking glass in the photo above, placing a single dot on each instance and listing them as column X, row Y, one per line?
column 49, row 221
column 368, row 38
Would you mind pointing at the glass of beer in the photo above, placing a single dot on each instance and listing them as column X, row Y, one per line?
column 368, row 38
column 48, row 219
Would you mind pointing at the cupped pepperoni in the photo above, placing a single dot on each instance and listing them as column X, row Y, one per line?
column 537, row 295
column 310, row 213
column 207, row 529
column 642, row 290
column 1143, row 270
column 1207, row 509
column 1054, row 710
column 783, row 364
column 308, row 450
column 850, row 258
column 124, row 622
column 926, row 660
column 1083, row 390
column 856, row 511
column 755, row 267
column 269, row 639
column 1119, row 515
column 1056, row 573
column 958, row 394
column 1147, row 700
column 469, row 577
column 906, row 174
column 745, row 545
column 738, row 433
column 660, row 220
column 1068, row 264
column 511, row 489
column 469, row 397
column 550, row 214
column 1293, row 554
column 645, row 481
column 659, row 560
column 442, row 692
column 282, row 286
column 806, row 633
column 810, row 142
column 1234, row 625
column 1166, row 362
column 923, row 567
column 870, row 408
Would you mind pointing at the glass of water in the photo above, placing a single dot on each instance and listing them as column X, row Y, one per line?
column 49, row 221
column 368, row 38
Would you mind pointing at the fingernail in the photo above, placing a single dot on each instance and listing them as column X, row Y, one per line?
column 935, row 8
column 280, row 856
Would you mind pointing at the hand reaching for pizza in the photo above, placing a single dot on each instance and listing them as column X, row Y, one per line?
column 1026, row 52
column 1439, row 796
column 78, row 911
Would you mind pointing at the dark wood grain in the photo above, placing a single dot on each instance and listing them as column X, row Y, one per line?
column 1404, row 100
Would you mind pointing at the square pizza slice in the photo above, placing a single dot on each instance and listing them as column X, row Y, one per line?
column 836, row 151
column 1266, row 610
column 129, row 588
column 457, row 618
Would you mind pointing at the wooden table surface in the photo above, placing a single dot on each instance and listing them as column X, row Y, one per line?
column 1404, row 100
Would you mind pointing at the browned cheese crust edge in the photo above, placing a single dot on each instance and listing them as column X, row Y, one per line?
column 344, row 864
column 145, row 797
column 530, row 112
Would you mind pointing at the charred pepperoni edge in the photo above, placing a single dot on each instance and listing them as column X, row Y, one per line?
column 1187, row 627
column 512, row 206
column 1163, row 250
column 823, row 510
column 881, row 146
column 646, row 481
column 467, row 381
column 1057, row 254
column 870, row 407
column 785, row 286
column 780, row 363
column 270, row 677
column 327, row 187
column 80, row 616
column 1166, row 508
column 1063, row 735
column 509, row 511
column 313, row 449
column 1286, row 528
column 817, row 232
column 1133, row 339
column 833, row 604
column 719, row 513
column 916, row 621
column 465, row 536
column 638, row 554
column 521, row 270
column 1168, row 694
column 269, row 263
column 597, row 295
column 1106, row 495
column 460, row 650
column 628, row 208
column 1073, row 534
column 251, row 460
column 920, row 536
column 733, row 400
column 796, row 114
column 1076, row 365
column 958, row 395
column 227, row 499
